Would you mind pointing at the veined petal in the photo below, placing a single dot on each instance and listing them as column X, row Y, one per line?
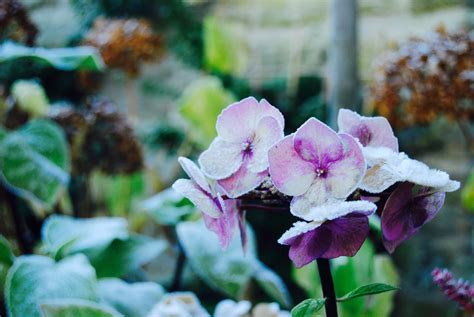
column 339, row 237
column 316, row 195
column 267, row 134
column 315, row 142
column 225, row 225
column 269, row 110
column 338, row 209
column 289, row 172
column 242, row 181
column 406, row 212
column 237, row 122
column 202, row 200
column 345, row 174
column 194, row 172
column 221, row 159
column 371, row 131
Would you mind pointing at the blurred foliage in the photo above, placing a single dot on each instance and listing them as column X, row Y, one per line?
column 66, row 59
column 228, row 271
column 34, row 162
column 200, row 104
column 425, row 78
column 76, row 308
column 225, row 49
column 30, row 97
column 349, row 273
column 467, row 194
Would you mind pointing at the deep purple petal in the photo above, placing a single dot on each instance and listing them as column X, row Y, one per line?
column 339, row 237
column 405, row 213
column 242, row 229
column 315, row 142
column 225, row 225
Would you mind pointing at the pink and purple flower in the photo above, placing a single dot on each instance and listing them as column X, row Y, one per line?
column 237, row 158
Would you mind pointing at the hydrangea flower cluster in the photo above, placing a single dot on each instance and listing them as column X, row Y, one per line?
column 333, row 181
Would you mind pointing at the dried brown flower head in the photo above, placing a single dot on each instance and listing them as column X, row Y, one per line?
column 15, row 23
column 125, row 43
column 425, row 78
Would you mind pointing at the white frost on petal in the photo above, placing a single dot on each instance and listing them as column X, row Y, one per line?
column 195, row 173
column 316, row 195
column 201, row 199
column 338, row 209
column 298, row 228
column 267, row 134
column 230, row 308
column 181, row 304
column 221, row 159
column 386, row 168
column 269, row 310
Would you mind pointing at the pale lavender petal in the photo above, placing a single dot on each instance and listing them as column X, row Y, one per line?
column 242, row 181
column 405, row 213
column 371, row 131
column 238, row 121
column 289, row 172
column 339, row 237
column 201, row 199
column 314, row 141
column 269, row 110
column 221, row 159
column 225, row 225
column 267, row 134
column 345, row 174
column 316, row 195
column 338, row 209
column 194, row 172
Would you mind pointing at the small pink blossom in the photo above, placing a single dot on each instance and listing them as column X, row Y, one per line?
column 316, row 166
column 220, row 216
column 237, row 158
column 370, row 131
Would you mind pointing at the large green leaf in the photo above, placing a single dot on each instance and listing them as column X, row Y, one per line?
column 6, row 254
column 202, row 101
column 91, row 236
column 76, row 308
column 34, row 279
column 273, row 285
column 228, row 271
column 68, row 59
column 308, row 308
column 225, row 49
column 124, row 256
column 132, row 300
column 34, row 162
column 167, row 207
column 467, row 194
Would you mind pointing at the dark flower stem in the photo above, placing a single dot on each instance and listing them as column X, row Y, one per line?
column 328, row 287
column 178, row 272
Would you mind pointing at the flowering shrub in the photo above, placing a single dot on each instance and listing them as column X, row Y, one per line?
column 460, row 291
column 331, row 180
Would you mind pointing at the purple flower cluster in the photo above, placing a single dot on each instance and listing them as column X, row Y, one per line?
column 330, row 179
column 459, row 290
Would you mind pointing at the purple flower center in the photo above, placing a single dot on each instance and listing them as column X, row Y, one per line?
column 247, row 148
column 320, row 172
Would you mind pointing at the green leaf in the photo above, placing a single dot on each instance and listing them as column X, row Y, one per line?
column 34, row 162
column 370, row 289
column 228, row 271
column 308, row 308
column 273, row 285
column 76, row 308
column 308, row 279
column 124, row 256
column 91, row 236
column 34, row 279
column 31, row 97
column 167, row 207
column 384, row 272
column 202, row 101
column 467, row 193
column 132, row 300
column 6, row 254
column 225, row 49
column 67, row 59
